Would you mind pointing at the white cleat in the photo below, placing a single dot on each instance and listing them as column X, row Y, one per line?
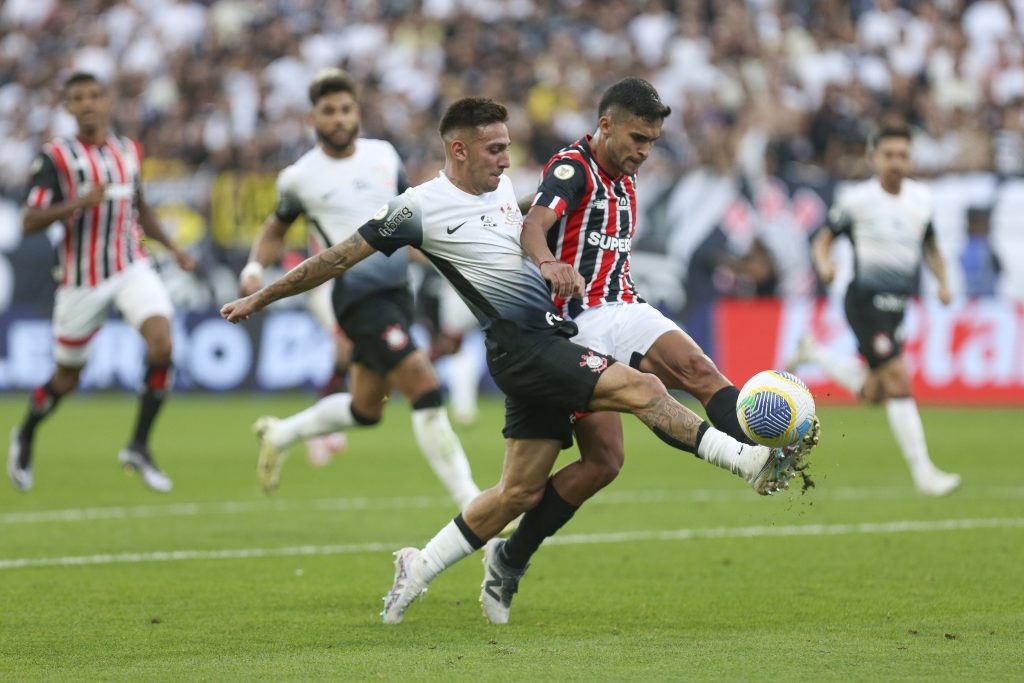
column 500, row 584
column 18, row 452
column 320, row 450
column 139, row 459
column 268, row 467
column 781, row 464
column 806, row 350
column 937, row 483
column 405, row 588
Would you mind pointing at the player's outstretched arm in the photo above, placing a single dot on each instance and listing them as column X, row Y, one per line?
column 267, row 249
column 314, row 271
column 565, row 281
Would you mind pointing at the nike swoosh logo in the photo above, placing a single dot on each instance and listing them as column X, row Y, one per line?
column 452, row 230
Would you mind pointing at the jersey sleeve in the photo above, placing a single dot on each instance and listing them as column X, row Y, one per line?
column 562, row 187
column 397, row 224
column 44, row 185
column 289, row 207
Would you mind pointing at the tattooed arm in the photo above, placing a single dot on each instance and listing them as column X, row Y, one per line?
column 315, row 270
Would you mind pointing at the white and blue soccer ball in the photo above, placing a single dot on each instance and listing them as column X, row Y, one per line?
column 775, row 408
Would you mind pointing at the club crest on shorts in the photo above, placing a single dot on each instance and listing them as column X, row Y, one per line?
column 395, row 337
column 593, row 361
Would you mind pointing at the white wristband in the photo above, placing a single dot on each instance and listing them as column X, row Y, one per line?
column 252, row 269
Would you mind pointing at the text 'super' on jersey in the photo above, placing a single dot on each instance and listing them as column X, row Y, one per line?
column 596, row 222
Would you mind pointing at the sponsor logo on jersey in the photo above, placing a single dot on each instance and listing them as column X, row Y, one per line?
column 623, row 202
column 394, row 220
column 593, row 361
column 600, row 204
column 452, row 230
column 488, row 221
column 610, row 242
column 564, row 171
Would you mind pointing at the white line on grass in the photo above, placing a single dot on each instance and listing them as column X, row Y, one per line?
column 903, row 526
column 441, row 502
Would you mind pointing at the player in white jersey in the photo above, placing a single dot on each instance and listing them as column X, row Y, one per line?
column 889, row 221
column 92, row 184
column 467, row 223
column 338, row 185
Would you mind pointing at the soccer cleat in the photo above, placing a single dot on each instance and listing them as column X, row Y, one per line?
column 500, row 584
column 268, row 467
column 806, row 350
column 320, row 450
column 139, row 459
column 19, row 461
column 405, row 588
column 782, row 463
column 937, row 483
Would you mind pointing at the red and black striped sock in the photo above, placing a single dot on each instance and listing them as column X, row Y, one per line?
column 155, row 386
column 41, row 403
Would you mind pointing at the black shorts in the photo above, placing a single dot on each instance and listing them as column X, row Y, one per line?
column 378, row 326
column 547, row 379
column 875, row 318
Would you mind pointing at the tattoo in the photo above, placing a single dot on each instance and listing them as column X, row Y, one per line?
column 671, row 422
column 318, row 269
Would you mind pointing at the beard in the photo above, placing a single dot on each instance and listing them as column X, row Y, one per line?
column 339, row 142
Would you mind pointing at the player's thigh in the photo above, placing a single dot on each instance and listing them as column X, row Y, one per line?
column 414, row 376
column 78, row 314
column 680, row 363
column 141, row 295
column 600, row 440
column 894, row 377
column 625, row 390
column 368, row 387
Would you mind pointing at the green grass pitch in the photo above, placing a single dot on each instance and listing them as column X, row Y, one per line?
column 676, row 572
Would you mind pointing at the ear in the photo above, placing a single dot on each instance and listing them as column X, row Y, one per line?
column 604, row 124
column 459, row 150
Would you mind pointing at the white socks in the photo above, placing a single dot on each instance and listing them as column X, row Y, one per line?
column 720, row 449
column 905, row 422
column 442, row 449
column 330, row 414
column 442, row 551
column 848, row 371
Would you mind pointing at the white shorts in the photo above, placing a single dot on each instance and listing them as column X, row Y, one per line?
column 622, row 330
column 79, row 312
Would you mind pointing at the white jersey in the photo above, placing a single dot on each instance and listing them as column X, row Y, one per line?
column 887, row 232
column 473, row 241
column 337, row 196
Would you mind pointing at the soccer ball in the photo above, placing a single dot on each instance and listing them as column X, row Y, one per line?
column 775, row 408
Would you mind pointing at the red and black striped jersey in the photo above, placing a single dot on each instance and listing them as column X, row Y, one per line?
column 103, row 240
column 594, row 233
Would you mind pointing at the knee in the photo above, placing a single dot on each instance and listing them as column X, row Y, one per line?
column 519, row 498
column 646, row 388
column 366, row 416
column 694, row 370
column 65, row 379
column 159, row 351
column 603, row 471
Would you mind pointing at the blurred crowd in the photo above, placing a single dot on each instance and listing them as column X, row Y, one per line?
column 760, row 89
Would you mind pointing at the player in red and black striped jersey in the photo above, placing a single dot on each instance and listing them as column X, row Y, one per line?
column 91, row 184
column 579, row 232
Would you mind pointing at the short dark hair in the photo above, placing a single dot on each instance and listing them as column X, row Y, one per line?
column 330, row 81
column 891, row 130
column 80, row 77
column 636, row 96
column 470, row 112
